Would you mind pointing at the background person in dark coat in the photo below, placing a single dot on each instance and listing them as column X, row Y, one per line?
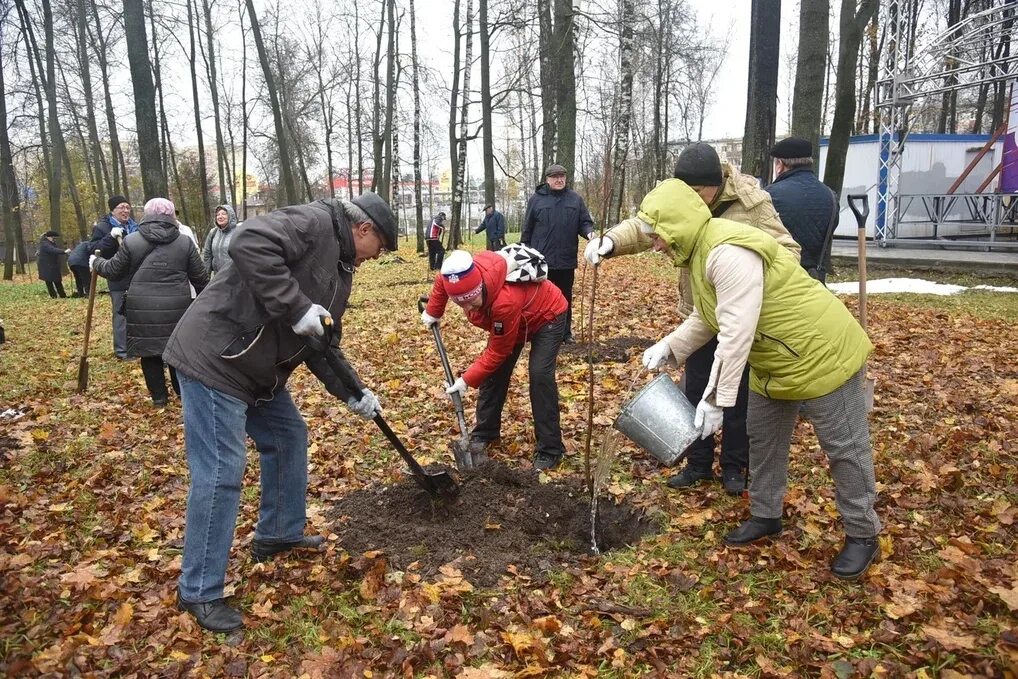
column 555, row 217
column 434, row 242
column 77, row 262
column 234, row 351
column 808, row 209
column 51, row 264
column 105, row 238
column 162, row 264
column 493, row 225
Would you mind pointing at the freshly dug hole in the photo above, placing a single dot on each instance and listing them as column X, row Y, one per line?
column 612, row 350
column 503, row 517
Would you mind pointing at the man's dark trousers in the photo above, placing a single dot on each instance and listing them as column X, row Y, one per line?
column 435, row 254
column 544, row 347
column 82, row 279
column 563, row 280
column 734, row 440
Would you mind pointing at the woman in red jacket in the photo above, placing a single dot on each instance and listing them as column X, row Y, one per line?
column 512, row 313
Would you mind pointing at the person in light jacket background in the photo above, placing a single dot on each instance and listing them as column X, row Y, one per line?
column 216, row 253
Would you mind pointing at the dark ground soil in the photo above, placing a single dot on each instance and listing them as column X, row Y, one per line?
column 614, row 350
column 503, row 517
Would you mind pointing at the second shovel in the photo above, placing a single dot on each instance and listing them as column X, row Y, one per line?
column 460, row 448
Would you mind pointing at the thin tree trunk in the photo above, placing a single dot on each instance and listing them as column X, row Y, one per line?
column 454, row 168
column 357, row 98
column 55, row 134
column 852, row 24
column 119, row 183
column 289, row 192
column 99, row 171
column 243, row 103
column 10, row 200
column 37, row 79
column 417, row 129
column 761, row 100
column 153, row 178
column 565, row 91
column 72, row 186
column 214, row 89
column 349, row 147
column 327, row 116
column 461, row 153
column 809, row 71
column 488, row 143
column 549, row 84
column 626, row 67
column 377, row 140
column 385, row 182
column 206, row 215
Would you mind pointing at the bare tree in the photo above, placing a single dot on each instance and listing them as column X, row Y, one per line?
column 192, row 57
column 809, row 71
column 850, row 35
column 10, row 202
column 153, row 178
column 563, row 47
column 100, row 173
column 55, row 134
column 417, row 128
column 288, row 194
column 761, row 103
column 625, row 109
column 210, row 68
column 101, row 43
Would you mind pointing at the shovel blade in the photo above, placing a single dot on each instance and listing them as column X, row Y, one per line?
column 461, row 455
column 83, row 375
column 868, row 386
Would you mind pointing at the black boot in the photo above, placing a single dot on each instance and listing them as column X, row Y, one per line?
column 734, row 481
column 544, row 461
column 215, row 616
column 752, row 530
column 263, row 551
column 690, row 477
column 855, row 557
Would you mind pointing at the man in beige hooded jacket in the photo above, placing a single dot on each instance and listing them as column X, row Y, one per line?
column 737, row 197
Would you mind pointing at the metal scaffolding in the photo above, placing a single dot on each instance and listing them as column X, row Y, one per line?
column 966, row 55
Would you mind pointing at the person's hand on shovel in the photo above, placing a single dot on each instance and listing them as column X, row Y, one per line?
column 457, row 387
column 367, row 407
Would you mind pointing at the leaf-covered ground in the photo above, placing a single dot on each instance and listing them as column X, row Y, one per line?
column 92, row 492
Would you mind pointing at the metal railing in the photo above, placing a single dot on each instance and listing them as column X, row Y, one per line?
column 985, row 217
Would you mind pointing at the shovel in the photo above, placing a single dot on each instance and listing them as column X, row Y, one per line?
column 460, row 449
column 859, row 204
column 440, row 485
column 83, row 363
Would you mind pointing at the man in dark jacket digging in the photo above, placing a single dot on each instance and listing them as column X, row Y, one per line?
column 234, row 351
column 555, row 217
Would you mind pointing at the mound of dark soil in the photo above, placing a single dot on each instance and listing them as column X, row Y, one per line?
column 503, row 517
column 614, row 350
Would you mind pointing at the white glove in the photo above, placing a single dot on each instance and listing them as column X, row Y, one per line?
column 597, row 249
column 708, row 418
column 117, row 232
column 368, row 405
column 311, row 322
column 656, row 355
column 91, row 262
column 428, row 319
column 459, row 386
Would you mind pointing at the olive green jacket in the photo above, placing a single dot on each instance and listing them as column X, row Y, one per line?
column 806, row 343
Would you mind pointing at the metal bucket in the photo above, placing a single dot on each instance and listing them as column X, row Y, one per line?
column 660, row 420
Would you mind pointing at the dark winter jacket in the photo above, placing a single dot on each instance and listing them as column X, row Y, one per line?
column 102, row 239
column 553, row 221
column 51, row 262
column 79, row 255
column 216, row 252
column 237, row 336
column 806, row 208
column 512, row 313
column 494, row 225
column 160, row 262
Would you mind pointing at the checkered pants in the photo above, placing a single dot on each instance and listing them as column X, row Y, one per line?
column 842, row 426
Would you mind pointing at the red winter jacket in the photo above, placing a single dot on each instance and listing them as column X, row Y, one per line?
column 511, row 313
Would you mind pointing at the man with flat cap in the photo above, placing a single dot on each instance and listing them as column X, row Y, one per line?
column 739, row 198
column 554, row 218
column 808, row 209
column 493, row 225
column 234, row 350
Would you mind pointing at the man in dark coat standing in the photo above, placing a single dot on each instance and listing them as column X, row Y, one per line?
column 51, row 264
column 107, row 234
column 234, row 350
column 493, row 225
column 555, row 217
column 808, row 209
column 77, row 262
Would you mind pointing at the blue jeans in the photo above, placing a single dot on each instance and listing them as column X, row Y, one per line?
column 216, row 426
